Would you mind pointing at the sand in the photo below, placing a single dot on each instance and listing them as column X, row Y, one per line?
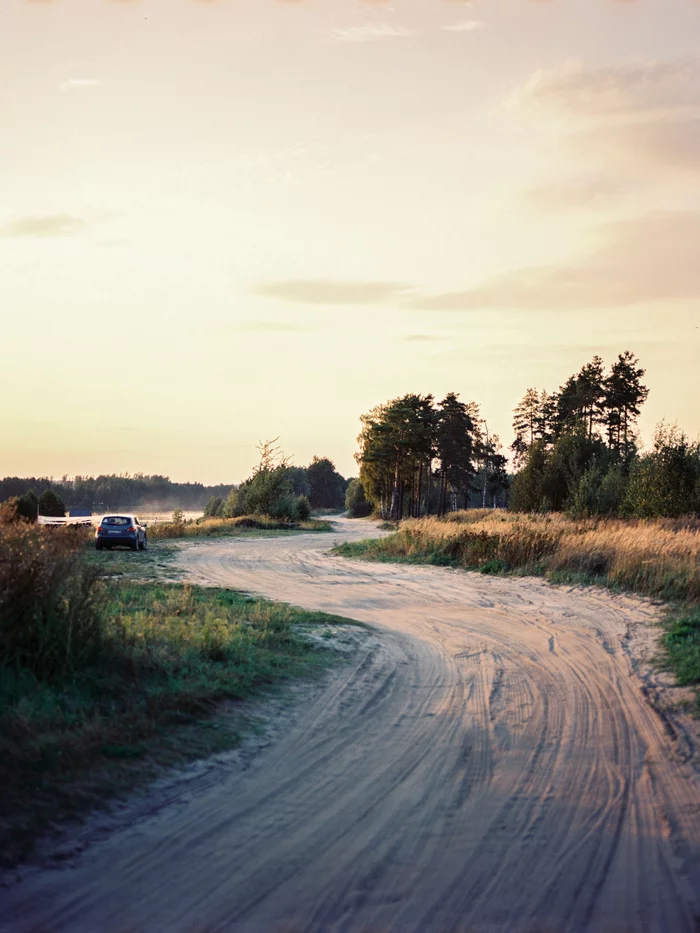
column 487, row 761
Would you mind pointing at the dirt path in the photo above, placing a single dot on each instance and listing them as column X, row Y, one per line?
column 489, row 764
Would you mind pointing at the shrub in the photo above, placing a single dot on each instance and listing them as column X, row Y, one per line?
column 356, row 504
column 178, row 517
column 302, row 509
column 49, row 600
column 234, row 505
column 528, row 490
column 665, row 482
column 269, row 492
column 27, row 506
column 51, row 504
column 599, row 492
column 214, row 507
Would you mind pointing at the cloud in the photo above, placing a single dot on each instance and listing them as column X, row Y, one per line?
column 52, row 225
column 78, row 83
column 627, row 89
column 648, row 259
column 639, row 122
column 581, row 192
column 332, row 292
column 669, row 143
column 271, row 327
column 371, row 32
column 467, row 25
column 420, row 338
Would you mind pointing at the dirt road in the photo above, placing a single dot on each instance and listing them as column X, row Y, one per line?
column 487, row 764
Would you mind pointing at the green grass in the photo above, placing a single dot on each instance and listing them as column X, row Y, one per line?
column 151, row 564
column 681, row 641
column 170, row 656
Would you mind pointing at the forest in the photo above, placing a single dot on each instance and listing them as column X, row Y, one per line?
column 319, row 482
column 112, row 491
column 576, row 450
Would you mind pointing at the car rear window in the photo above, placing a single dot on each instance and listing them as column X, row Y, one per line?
column 116, row 520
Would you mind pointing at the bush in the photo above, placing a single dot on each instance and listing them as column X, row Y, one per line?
column 302, row 509
column 234, row 506
column 269, row 492
column 528, row 490
column 214, row 507
column 665, row 482
column 49, row 600
column 599, row 492
column 282, row 508
column 27, row 506
column 356, row 504
column 51, row 504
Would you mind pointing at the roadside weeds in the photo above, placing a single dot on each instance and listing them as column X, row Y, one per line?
column 659, row 559
column 161, row 687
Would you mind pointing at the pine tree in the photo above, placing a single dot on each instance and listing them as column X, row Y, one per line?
column 528, row 423
column 624, row 396
column 454, row 443
column 591, row 390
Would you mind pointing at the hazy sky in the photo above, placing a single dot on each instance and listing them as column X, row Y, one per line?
column 225, row 221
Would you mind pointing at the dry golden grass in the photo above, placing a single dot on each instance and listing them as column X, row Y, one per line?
column 207, row 527
column 654, row 557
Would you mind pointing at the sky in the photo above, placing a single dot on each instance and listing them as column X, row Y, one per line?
column 231, row 220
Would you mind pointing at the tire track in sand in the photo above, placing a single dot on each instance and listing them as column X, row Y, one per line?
column 489, row 764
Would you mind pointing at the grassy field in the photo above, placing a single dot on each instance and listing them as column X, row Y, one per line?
column 659, row 558
column 107, row 675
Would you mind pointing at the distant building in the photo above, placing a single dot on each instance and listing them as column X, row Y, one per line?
column 79, row 513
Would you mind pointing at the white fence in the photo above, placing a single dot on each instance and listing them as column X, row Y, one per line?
column 49, row 520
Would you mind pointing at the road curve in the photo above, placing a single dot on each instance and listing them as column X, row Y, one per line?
column 488, row 764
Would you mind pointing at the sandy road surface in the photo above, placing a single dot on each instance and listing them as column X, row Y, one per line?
column 488, row 764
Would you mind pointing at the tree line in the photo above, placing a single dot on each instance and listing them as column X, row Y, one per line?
column 578, row 450
column 418, row 457
column 281, row 490
column 575, row 449
column 114, row 491
column 319, row 483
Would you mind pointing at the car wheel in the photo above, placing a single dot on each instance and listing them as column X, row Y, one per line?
column 144, row 546
column 98, row 545
column 135, row 544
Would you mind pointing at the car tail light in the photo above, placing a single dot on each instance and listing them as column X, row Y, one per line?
column 130, row 528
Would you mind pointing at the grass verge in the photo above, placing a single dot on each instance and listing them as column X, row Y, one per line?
column 169, row 655
column 681, row 641
column 122, row 563
column 243, row 525
column 658, row 558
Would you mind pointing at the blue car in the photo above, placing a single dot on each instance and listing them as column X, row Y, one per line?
column 121, row 531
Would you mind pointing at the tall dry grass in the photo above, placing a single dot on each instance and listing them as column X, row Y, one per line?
column 208, row 527
column 653, row 557
column 50, row 599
